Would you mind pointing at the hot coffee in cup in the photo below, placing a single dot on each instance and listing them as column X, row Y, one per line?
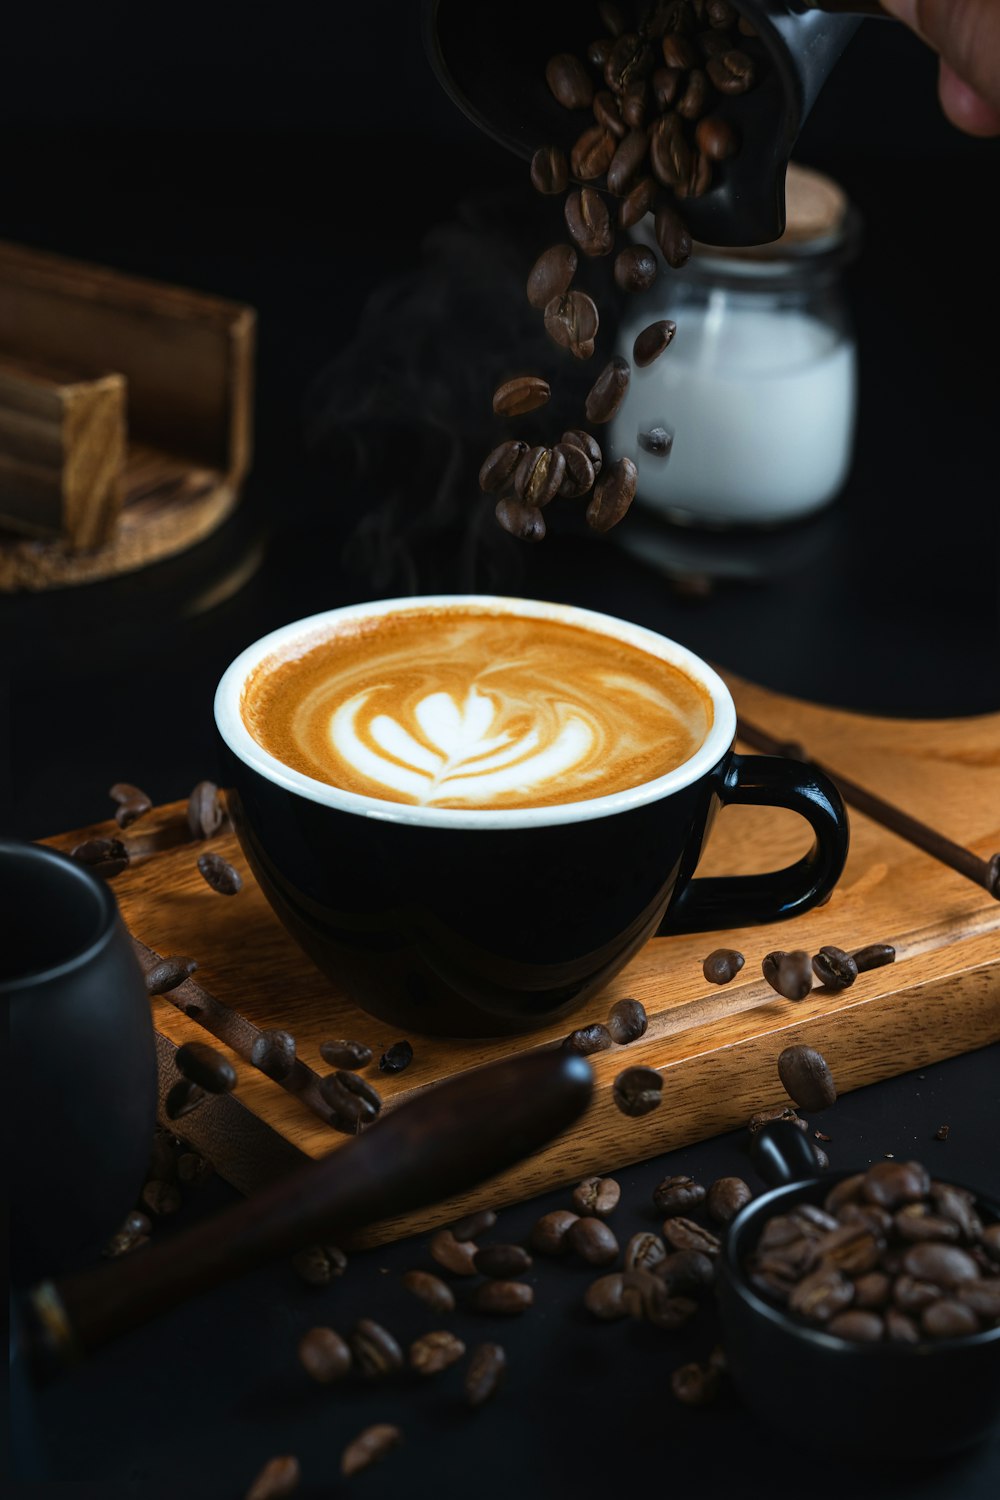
column 472, row 811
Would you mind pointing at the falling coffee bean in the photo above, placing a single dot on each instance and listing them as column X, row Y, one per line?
column 635, row 268
column 613, row 494
column 370, row 1445
column 587, row 443
column 571, row 321
column 789, row 973
column 834, row 968
column 522, row 394
column 484, row 1374
column 672, row 236
column 875, row 956
column 434, row 1352
column 168, row 974
column 596, row 1196
column 182, row 1098
column 551, row 275
column 651, row 342
column 636, row 203
column 722, row 965
column 205, row 812
column 608, row 113
column 273, row 1052
column 637, row 1091
column 549, row 172
column 395, row 1058
column 206, row 1066
column 539, row 475
column 525, row 522
column 502, row 1261
column 592, row 153
column 220, row 875
column 324, row 1355
column 579, row 476
column 132, row 802
column 499, row 465
column 588, row 222
column 625, row 163
column 474, row 1224
column 627, row 1021
column 608, row 391
column 807, row 1078
column 278, row 1478
column 569, row 81
column 106, row 857
column 587, row 1039
column 658, row 441
column 505, row 1299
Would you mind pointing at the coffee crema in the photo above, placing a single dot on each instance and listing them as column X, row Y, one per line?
column 474, row 708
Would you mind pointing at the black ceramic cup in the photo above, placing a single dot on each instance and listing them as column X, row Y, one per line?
column 876, row 1401
column 81, row 1064
column 482, row 922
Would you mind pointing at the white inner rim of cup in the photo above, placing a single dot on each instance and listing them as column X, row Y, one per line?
column 311, row 631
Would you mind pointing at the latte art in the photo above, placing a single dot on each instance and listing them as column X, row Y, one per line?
column 464, row 708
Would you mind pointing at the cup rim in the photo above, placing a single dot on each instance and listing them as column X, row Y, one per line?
column 91, row 946
column 236, row 735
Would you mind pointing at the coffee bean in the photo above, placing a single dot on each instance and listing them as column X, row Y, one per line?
column 279, row 1477
column 635, row 99
column 499, row 465
column 912, row 1295
column 456, row 1256
column 872, row 1290
column 672, row 236
column 484, row 1374
column 733, row 72
column 376, row 1351
column 789, row 973
column 353, row 1101
column 577, row 438
column 635, row 268
column 549, row 170
column 168, row 974
column 569, row 81
column 645, row 1251
column 318, row 1265
column 592, row 153
column 670, row 153
column 991, row 1241
column 345, row 1054
column 726, row 1196
column 502, row 1261
column 636, row 203
column 675, row 1195
column 695, row 1385
column 637, row 1091
column 853, row 1248
column 666, row 84
column 658, row 441
column 220, row 875
column 608, row 391
column 899, row 1328
column 652, row 340
column 132, row 802
column 206, row 1066
column 579, row 476
column 588, row 222
column 593, row 1241
column 368, row 1447
column 434, row 1352
column 687, row 1271
column 948, row 1319
column 474, row 1224
column 698, row 179
column 551, row 275
column 431, row 1290
column 982, row 1295
column 716, row 139
column 630, row 58
column 608, row 114
column 549, row 1236
column 667, row 1312
column 539, row 475
column 807, row 1078
column 958, row 1205
column 834, row 968
column 944, row 1265
column 161, row 1198
column 915, row 1223
column 612, row 17
column 106, row 857
column 626, row 161
column 942, row 1132
column 205, row 812
column 522, row 394
column 875, row 956
column 892, row 1183
column 613, row 494
column 587, row 1039
column 878, row 1220
column 571, row 321
column 847, row 1191
column 526, row 522
column 182, row 1098
column 722, row 965
column 783, row 1112
column 613, row 1297
column 685, row 1234
column 273, row 1053
column 694, row 101
column 821, row 1294
column 596, row 1195
column 193, row 1169
column 857, row 1324
column 324, row 1355
column 395, row 1058
column 627, row 1021
column 505, row 1299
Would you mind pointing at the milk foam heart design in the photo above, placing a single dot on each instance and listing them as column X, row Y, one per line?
column 457, row 754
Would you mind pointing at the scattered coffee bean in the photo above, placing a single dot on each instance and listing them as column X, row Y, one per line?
column 675, row 1195
column 205, row 812
column 942, row 1132
column 168, row 973
column 645, row 1251
column 431, row 1290
column 579, row 476
column 589, row 222
column 499, row 465
column 206, row 1066
column 651, row 342
column 875, row 956
column 569, row 81
column 807, row 1078
column 623, row 170
column 577, row 438
column 636, row 203
column 613, row 1297
column 592, row 154
column 456, row 1256
column 395, row 1058
column 132, row 803
column 691, row 1271
column 279, row 1477
column 434, row 1352
column 685, row 1234
column 161, row 1198
column 726, row 1196
column 539, row 476
column 696, row 1385
column 505, row 1299
column 522, row 394
column 106, row 857
column 587, row 1039
column 182, row 1098
column 834, row 968
column 375, row 1350
column 549, row 172
column 571, row 321
column 551, row 275
column 549, row 1236
column 637, row 1091
column 220, row 875
column 593, row 1241
column 596, row 1195
column 635, row 269
column 627, row 1021
column 350, row 1056
column 613, row 494
column 474, row 1224
column 352, row 1100
column 783, row 1112
column 484, row 1374
column 722, row 965
column 368, row 1447
column 273, row 1052
column 672, row 236
column 502, row 1261
column 608, row 114
column 526, row 522
column 658, row 441
column 608, row 391
column 789, row 973
column 318, row 1265
column 324, row 1355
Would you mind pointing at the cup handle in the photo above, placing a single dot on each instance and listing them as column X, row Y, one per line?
column 746, row 900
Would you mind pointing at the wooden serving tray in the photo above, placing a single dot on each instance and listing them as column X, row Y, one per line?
column 716, row 1047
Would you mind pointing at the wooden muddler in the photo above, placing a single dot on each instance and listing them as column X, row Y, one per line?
column 447, row 1139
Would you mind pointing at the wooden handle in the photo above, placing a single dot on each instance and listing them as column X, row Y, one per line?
column 442, row 1142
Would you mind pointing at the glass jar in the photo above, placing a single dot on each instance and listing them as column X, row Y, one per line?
column 757, row 391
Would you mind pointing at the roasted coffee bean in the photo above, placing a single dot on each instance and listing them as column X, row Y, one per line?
column 770, row 1285
column 587, row 1039
column 630, row 58
column 589, row 445
column 719, row 14
column 484, row 1373
column 588, row 222
column 123, row 1244
column 434, row 1352
column 627, row 1021
column 182, row 1098
column 549, row 277
column 848, row 1190
column 624, row 165
column 473, row 1225
column 713, row 43
column 636, row 203
column 982, row 1295
column 345, row 1054
column 456, row 1256
column 205, row 812
column 675, row 1195
column 834, row 968
column 670, row 153
column 324, row 1355
column 685, row 1234
column 858, row 1324
column 959, row 1205
column 783, row 1112
column 944, row 1265
column 698, row 180
column 679, row 51
column 807, row 1078
column 132, row 802
column 878, row 1220
column 375, row 1350
column 695, row 1385
column 608, row 114
column 569, row 81
column 694, row 101
column 499, row 465
column 666, row 84
column 789, row 973
column 368, row 1447
column 505, row 1299
column 168, row 974
column 667, row 1312
column 915, row 1223
column 672, row 236
column 948, row 1319
column 193, row 1169
column 526, row 522
column 579, row 476
column 431, row 1290
column 872, row 1290
column 613, row 1297
column 687, row 1271
column 891, row 1183
column 395, row 1058
column 991, row 1238
column 318, row 1265
column 716, row 139
column 549, row 170
column 220, row 875
column 549, row 1236
column 942, row 1132
column 652, row 340
column 875, row 956
column 658, row 441
column 899, row 1328
column 279, row 1477
column 635, row 105
column 592, row 153
column 593, row 1241
column 571, row 321
column 273, row 1053
column 637, row 1091
column 596, row 1195
column 722, row 964
column 106, row 857
column 635, row 268
column 502, row 1261
column 912, row 1295
column 851, row 1247
column 733, row 72
column 539, row 475
column 599, row 51
column 726, row 1196
column 645, row 1251
column 821, row 1294
column 353, row 1101
column 206, row 1066
column 522, row 394
column 608, row 391
column 161, row 1198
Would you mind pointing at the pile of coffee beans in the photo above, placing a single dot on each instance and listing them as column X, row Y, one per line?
column 792, row 974
column 658, row 87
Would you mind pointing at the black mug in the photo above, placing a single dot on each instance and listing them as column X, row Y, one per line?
column 81, row 1061
column 485, row 921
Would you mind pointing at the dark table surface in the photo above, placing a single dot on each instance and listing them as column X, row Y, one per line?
column 887, row 603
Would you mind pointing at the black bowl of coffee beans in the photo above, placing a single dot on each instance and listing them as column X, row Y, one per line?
column 874, row 1296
